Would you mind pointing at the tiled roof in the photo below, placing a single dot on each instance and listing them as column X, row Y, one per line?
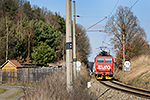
column 15, row 63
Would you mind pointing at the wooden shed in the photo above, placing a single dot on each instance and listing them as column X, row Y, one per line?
column 11, row 64
column 9, row 71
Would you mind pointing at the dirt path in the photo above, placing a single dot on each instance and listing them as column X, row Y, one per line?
column 11, row 90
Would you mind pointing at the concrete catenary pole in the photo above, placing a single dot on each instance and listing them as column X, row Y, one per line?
column 74, row 42
column 69, row 46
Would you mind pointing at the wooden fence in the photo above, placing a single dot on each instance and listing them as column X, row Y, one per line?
column 26, row 75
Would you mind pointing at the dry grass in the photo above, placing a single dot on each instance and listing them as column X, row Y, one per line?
column 54, row 88
column 139, row 74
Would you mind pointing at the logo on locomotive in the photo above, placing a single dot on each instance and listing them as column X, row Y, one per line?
column 100, row 67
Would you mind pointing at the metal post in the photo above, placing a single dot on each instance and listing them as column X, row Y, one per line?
column 68, row 45
column 74, row 41
column 123, row 53
column 114, row 68
column 114, row 52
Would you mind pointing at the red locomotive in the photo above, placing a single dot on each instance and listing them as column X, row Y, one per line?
column 103, row 66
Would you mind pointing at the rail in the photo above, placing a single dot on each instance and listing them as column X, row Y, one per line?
column 126, row 88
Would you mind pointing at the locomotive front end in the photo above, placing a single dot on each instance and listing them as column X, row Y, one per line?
column 103, row 67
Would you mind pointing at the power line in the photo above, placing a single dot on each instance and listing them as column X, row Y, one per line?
column 92, row 25
column 117, row 4
column 113, row 8
column 108, row 16
column 133, row 5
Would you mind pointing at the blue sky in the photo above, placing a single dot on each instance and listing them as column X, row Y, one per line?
column 91, row 11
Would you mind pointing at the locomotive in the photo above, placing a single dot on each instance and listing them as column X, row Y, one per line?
column 103, row 66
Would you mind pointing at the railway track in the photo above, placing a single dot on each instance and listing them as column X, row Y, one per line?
column 126, row 88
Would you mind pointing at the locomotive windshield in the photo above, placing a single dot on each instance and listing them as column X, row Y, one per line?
column 108, row 60
column 100, row 60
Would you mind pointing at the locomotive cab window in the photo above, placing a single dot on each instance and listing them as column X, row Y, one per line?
column 108, row 60
column 100, row 60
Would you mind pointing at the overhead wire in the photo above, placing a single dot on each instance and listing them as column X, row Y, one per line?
column 133, row 5
column 117, row 4
column 102, row 19
column 113, row 8
column 108, row 15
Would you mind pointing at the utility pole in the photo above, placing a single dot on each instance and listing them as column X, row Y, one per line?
column 68, row 46
column 74, row 42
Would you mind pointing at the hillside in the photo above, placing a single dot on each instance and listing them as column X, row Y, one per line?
column 139, row 74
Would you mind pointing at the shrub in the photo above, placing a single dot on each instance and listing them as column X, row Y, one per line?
column 54, row 88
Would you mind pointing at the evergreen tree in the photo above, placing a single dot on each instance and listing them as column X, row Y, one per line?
column 45, row 33
column 28, row 10
column 43, row 54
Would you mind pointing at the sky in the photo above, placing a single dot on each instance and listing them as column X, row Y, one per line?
column 92, row 11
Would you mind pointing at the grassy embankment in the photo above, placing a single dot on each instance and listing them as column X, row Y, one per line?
column 139, row 74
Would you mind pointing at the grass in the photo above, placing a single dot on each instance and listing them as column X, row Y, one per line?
column 137, row 78
column 11, row 85
column 17, row 93
column 2, row 90
column 148, row 64
column 30, row 85
column 13, row 95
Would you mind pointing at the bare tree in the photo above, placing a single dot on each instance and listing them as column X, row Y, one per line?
column 123, row 22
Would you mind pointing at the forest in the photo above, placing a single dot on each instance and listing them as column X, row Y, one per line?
column 30, row 34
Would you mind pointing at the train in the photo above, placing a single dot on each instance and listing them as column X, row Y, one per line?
column 103, row 66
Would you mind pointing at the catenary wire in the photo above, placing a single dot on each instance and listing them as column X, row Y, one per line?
column 133, row 5
column 113, row 8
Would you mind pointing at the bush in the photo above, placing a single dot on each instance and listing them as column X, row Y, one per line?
column 54, row 88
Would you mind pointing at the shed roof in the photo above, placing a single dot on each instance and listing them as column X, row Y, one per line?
column 13, row 62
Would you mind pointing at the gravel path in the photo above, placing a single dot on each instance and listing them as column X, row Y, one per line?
column 11, row 90
column 104, row 93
